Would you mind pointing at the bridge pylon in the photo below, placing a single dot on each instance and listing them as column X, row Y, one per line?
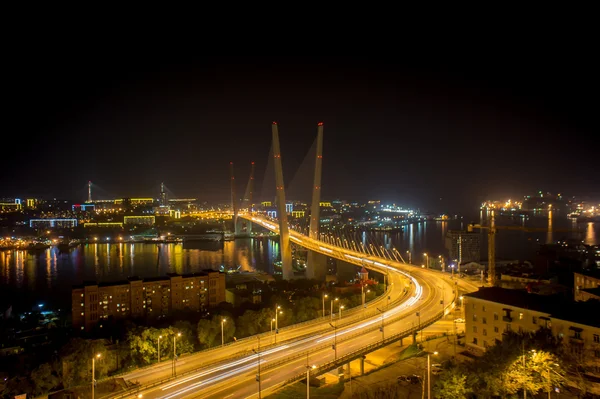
column 316, row 265
column 284, row 234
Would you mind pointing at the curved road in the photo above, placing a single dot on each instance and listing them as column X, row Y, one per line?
column 428, row 293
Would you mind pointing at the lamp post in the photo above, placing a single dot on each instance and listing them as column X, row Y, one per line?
column 308, row 368
column 98, row 355
column 426, row 260
column 381, row 328
column 277, row 313
column 324, row 296
column 175, row 353
column 340, row 310
column 159, row 337
column 257, row 351
column 334, row 340
column 419, row 316
column 429, row 374
column 222, row 335
column 362, row 292
column 409, row 257
column 272, row 321
column 462, row 311
column 331, row 311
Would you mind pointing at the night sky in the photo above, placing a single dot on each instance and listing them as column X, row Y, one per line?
column 442, row 133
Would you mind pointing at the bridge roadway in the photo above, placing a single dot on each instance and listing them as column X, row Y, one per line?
column 235, row 378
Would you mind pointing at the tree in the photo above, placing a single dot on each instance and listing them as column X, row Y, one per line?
column 44, row 379
column 143, row 345
column 453, row 385
column 185, row 342
column 306, row 308
column 17, row 386
column 77, row 357
column 206, row 333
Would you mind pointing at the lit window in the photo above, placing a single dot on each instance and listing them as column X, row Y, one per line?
column 82, row 297
column 520, row 316
column 82, row 313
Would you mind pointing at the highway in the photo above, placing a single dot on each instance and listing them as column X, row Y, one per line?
column 428, row 293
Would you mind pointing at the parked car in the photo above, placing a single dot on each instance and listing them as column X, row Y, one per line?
column 409, row 379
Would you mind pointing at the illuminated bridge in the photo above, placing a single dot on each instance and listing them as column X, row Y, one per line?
column 251, row 367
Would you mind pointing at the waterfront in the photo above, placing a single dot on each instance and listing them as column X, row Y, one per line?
column 31, row 277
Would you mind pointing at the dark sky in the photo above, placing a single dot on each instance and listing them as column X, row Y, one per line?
column 410, row 130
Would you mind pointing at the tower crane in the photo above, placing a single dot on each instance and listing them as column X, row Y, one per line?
column 492, row 228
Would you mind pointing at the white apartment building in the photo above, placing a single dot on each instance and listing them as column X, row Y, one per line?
column 492, row 311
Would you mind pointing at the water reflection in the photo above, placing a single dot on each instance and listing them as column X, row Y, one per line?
column 49, row 275
column 590, row 234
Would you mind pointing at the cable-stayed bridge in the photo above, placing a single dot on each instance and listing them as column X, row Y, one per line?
column 250, row 367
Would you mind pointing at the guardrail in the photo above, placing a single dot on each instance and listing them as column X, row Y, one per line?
column 367, row 349
column 348, row 321
column 374, row 327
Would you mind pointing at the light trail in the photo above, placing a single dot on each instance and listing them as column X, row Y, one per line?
column 243, row 365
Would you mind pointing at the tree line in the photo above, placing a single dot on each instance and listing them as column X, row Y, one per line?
column 70, row 366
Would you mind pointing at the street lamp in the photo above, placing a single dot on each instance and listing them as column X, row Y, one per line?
column 426, row 259
column 98, row 355
column 334, row 340
column 272, row 321
column 159, row 337
column 340, row 309
column 381, row 328
column 175, row 353
column 324, row 296
column 257, row 351
column 429, row 374
column 419, row 316
column 331, row 312
column 277, row 313
column 222, row 336
column 308, row 368
column 409, row 257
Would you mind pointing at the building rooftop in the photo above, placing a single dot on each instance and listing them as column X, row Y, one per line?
column 558, row 306
column 594, row 273
column 593, row 291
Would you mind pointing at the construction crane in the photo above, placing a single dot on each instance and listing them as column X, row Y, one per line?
column 492, row 228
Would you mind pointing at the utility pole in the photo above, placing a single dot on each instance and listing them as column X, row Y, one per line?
column 334, row 339
column 257, row 351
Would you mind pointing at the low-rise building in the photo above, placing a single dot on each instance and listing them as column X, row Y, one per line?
column 587, row 285
column 151, row 297
column 491, row 312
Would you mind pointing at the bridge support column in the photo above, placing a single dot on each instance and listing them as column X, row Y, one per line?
column 347, row 368
column 316, row 266
column 362, row 365
column 284, row 234
column 414, row 335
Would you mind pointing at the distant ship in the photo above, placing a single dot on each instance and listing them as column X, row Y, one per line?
column 228, row 236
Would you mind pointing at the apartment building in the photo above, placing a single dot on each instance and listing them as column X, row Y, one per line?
column 493, row 311
column 463, row 246
column 151, row 297
column 587, row 285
